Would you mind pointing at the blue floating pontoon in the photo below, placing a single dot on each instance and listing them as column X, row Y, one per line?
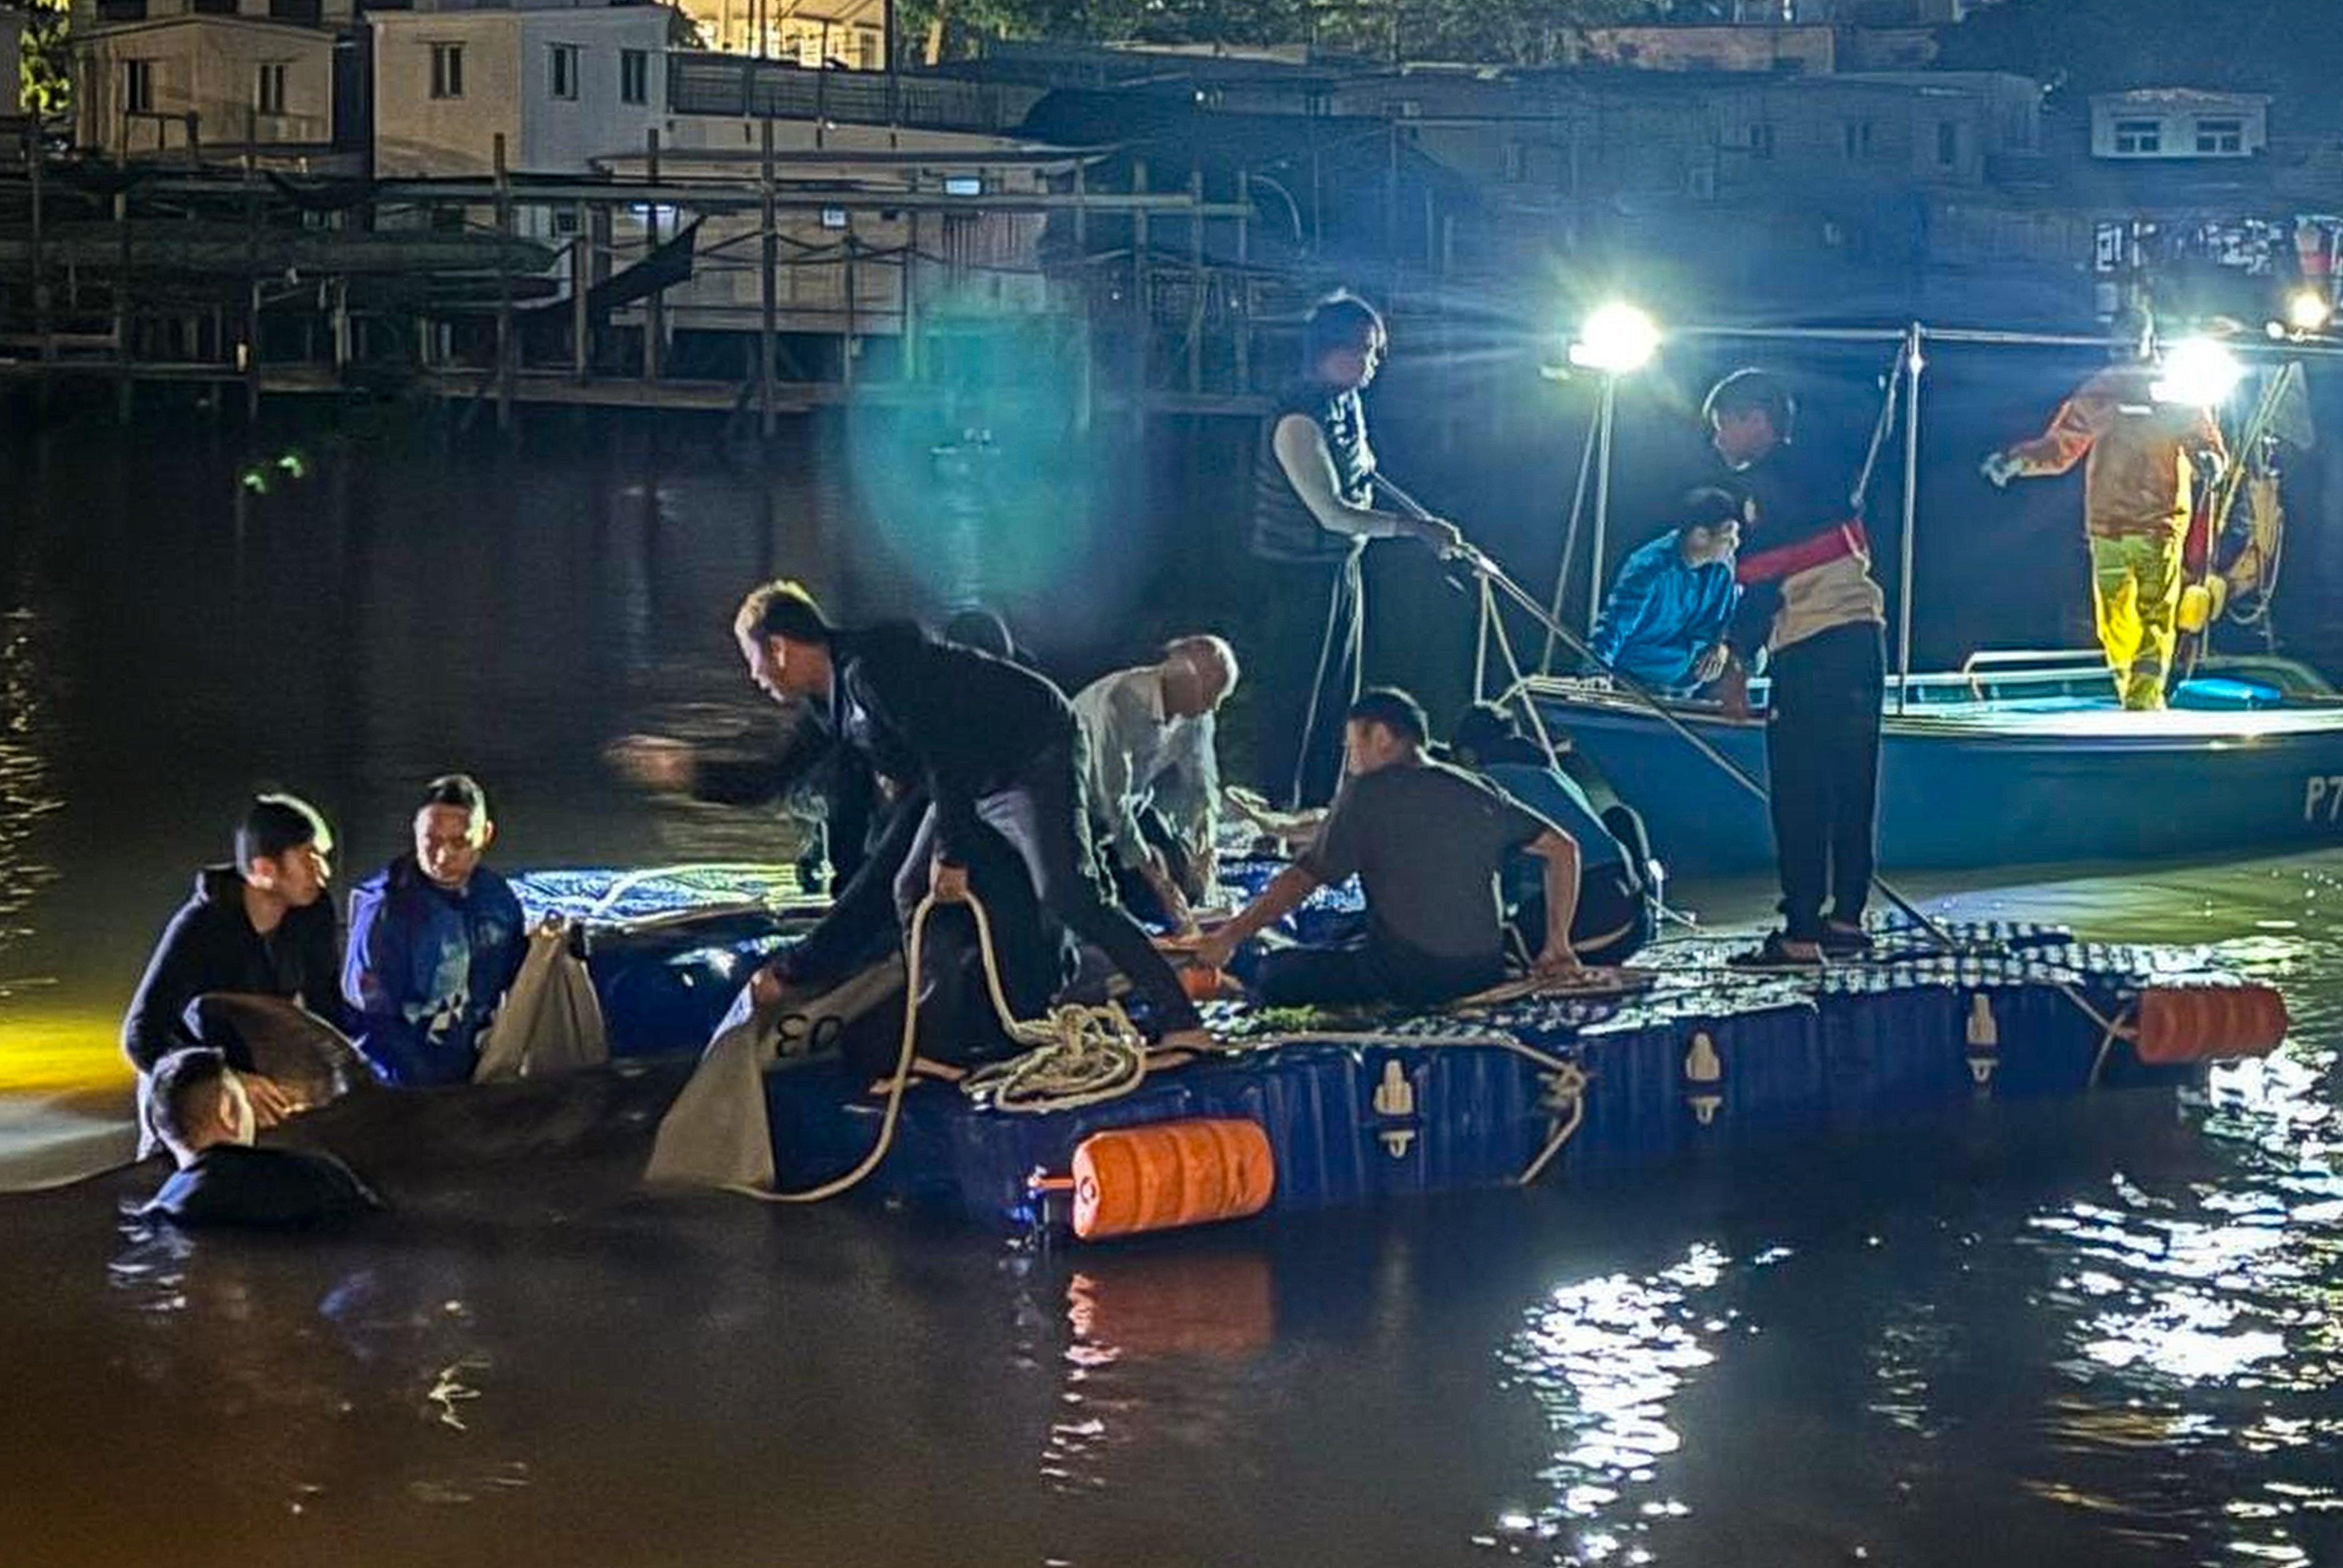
column 1360, row 1107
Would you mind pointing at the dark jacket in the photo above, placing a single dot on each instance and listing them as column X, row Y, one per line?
column 209, row 946
column 426, row 970
column 230, row 1184
column 962, row 724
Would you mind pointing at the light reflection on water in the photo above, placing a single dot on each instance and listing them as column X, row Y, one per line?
column 1604, row 1358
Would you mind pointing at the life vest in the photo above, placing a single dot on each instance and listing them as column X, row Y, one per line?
column 1283, row 529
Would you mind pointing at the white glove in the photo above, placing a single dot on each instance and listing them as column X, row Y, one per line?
column 1999, row 468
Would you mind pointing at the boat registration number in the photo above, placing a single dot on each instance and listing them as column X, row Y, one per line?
column 2322, row 797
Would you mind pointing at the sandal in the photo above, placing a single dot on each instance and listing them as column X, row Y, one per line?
column 1779, row 955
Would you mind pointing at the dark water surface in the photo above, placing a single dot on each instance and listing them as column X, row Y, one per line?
column 2098, row 1332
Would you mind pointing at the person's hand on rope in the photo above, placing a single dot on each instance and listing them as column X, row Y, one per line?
column 948, row 881
column 1733, row 690
column 1214, row 949
column 1441, row 535
column 1999, row 469
column 1712, row 663
column 652, row 762
column 1166, row 893
column 766, row 986
column 1557, row 962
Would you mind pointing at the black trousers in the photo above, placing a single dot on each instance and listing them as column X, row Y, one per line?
column 1134, row 891
column 1042, row 817
column 1822, row 765
column 1614, row 921
column 1305, row 610
column 1367, row 972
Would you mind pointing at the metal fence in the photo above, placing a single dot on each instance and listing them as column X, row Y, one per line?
column 700, row 83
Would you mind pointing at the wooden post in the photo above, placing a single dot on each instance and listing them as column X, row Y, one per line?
column 1140, row 318
column 504, row 289
column 654, row 307
column 910, row 311
column 581, row 283
column 251, row 261
column 1243, row 334
column 846, row 348
column 35, row 157
column 768, row 282
column 1196, row 281
column 122, row 397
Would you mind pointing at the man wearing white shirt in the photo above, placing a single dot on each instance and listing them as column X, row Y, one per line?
column 1151, row 760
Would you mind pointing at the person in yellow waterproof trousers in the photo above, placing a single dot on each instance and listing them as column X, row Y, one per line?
column 2136, row 501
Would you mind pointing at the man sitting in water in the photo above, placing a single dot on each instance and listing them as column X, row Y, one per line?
column 1154, row 780
column 997, row 749
column 201, row 1110
column 435, row 938
column 261, row 927
column 1427, row 840
column 1615, row 912
column 1665, row 621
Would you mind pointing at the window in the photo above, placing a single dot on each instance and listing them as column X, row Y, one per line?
column 2139, row 137
column 1761, row 140
column 138, row 86
column 869, row 49
column 1948, row 142
column 2221, row 137
column 268, row 87
column 634, row 75
column 1517, row 166
column 1855, row 135
column 214, row 7
column 564, row 77
column 447, row 70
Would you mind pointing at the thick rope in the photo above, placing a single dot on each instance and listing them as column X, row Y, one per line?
column 1075, row 1056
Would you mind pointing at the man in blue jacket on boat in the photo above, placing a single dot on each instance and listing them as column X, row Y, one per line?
column 1807, row 594
column 435, row 938
column 1665, row 620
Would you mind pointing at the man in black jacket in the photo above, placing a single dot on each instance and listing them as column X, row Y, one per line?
column 995, row 747
column 260, row 927
column 203, row 1112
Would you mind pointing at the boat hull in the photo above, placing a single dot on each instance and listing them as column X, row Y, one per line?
column 1970, row 792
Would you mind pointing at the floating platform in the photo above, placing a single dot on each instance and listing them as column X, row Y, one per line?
column 1362, row 1107
column 1357, row 1110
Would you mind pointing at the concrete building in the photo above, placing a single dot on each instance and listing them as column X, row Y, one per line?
column 810, row 33
column 176, row 78
column 563, row 82
column 2178, row 123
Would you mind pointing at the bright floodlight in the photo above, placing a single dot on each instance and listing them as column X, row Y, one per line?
column 2307, row 310
column 2198, row 372
column 1617, row 339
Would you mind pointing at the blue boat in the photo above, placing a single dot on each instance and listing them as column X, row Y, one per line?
column 2016, row 760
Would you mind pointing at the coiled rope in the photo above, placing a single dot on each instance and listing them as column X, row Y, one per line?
column 1074, row 1056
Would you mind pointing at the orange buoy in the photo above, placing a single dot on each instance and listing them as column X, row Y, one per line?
column 1166, row 1174
column 2209, row 1023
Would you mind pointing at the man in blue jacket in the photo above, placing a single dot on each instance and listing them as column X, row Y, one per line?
column 435, row 938
column 1670, row 607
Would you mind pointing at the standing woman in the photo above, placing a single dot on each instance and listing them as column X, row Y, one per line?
column 1313, row 513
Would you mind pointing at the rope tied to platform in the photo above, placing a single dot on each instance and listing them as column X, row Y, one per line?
column 1076, row 1055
